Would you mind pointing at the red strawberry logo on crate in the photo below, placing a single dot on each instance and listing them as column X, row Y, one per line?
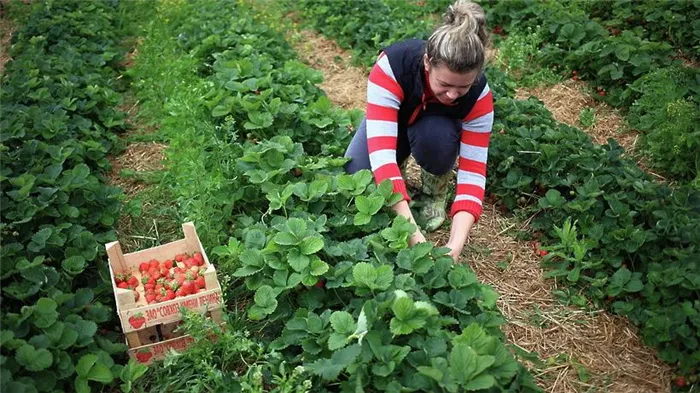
column 144, row 356
column 137, row 320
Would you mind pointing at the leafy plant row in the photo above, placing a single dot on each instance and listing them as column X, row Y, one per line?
column 322, row 271
column 630, row 242
column 59, row 120
column 633, row 67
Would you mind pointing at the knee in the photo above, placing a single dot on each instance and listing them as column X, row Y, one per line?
column 435, row 144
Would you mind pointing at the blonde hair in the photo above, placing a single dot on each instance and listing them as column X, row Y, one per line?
column 461, row 40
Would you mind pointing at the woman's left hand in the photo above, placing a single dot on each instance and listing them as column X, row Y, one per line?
column 455, row 251
column 459, row 233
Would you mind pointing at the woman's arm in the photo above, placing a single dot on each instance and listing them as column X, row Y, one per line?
column 459, row 232
column 471, row 176
column 402, row 209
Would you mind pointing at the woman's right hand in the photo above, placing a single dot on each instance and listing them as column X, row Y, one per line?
column 416, row 238
column 401, row 208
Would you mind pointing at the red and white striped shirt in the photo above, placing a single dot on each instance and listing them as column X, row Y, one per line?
column 384, row 98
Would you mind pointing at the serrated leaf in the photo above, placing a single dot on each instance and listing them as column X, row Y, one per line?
column 403, row 308
column 337, row 341
column 311, row 245
column 74, row 265
column 431, row 372
column 45, row 313
column 329, row 369
column 298, row 261
column 481, row 382
column 286, row 239
column 33, row 359
column 85, row 364
column 318, row 267
column 342, row 322
column 100, row 373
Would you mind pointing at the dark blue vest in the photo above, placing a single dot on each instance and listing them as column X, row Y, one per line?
column 406, row 59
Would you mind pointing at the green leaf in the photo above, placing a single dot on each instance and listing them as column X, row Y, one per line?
column 298, row 261
column 480, row 383
column 462, row 363
column 329, row 369
column 265, row 297
column 361, row 218
column 81, row 385
column 45, row 313
column 100, row 373
column 318, row 267
column 85, row 364
column 385, row 276
column 365, row 274
column 337, row 341
column 39, row 240
column 246, row 271
column 622, row 52
column 342, row 322
column 431, row 372
column 33, row 359
column 311, row 245
column 403, row 308
column 74, row 265
column 286, row 239
column 369, row 205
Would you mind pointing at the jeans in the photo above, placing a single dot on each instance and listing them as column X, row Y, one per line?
column 433, row 141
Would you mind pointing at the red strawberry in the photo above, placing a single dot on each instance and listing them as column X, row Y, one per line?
column 601, row 93
column 180, row 257
column 133, row 281
column 543, row 253
column 153, row 263
column 137, row 320
column 198, row 258
column 169, row 294
column 168, row 263
column 144, row 356
column 188, row 286
column 680, row 381
column 320, row 284
column 122, row 285
column 150, row 298
column 199, row 281
column 180, row 292
column 144, row 266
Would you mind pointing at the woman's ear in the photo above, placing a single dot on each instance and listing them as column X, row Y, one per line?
column 426, row 62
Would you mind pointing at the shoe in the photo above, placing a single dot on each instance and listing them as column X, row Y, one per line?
column 433, row 200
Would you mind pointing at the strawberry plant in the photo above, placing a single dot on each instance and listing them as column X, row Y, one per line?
column 59, row 123
column 304, row 239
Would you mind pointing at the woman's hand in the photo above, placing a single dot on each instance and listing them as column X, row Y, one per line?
column 459, row 232
column 401, row 208
column 416, row 238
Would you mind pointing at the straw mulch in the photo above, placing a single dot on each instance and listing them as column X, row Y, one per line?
column 138, row 157
column 586, row 348
column 344, row 85
column 566, row 101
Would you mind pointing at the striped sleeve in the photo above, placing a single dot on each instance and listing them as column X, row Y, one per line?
column 384, row 96
column 473, row 152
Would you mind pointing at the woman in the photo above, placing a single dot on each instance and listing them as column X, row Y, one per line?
column 430, row 99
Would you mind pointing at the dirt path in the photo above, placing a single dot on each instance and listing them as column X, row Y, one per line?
column 567, row 100
column 588, row 350
column 128, row 171
column 6, row 30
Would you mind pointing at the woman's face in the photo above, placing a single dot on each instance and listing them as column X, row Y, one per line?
column 447, row 85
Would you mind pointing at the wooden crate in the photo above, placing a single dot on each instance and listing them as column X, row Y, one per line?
column 157, row 341
column 139, row 315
